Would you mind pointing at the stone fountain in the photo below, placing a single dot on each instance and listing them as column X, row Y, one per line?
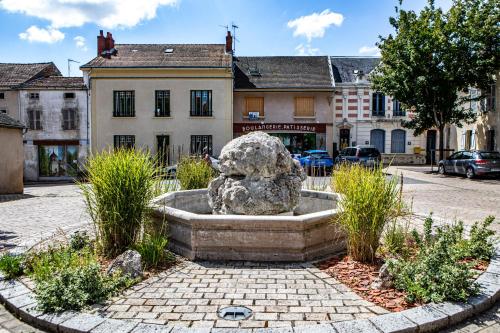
column 255, row 210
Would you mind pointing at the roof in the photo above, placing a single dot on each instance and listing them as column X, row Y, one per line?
column 6, row 121
column 284, row 72
column 154, row 55
column 11, row 75
column 343, row 67
column 55, row 82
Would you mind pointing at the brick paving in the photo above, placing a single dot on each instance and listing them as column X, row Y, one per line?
column 280, row 295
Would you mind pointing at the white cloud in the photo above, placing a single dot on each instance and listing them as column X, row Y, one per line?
column 75, row 13
column 314, row 25
column 369, row 50
column 42, row 35
column 80, row 43
column 306, row 50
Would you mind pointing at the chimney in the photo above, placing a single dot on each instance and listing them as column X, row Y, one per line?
column 101, row 43
column 229, row 42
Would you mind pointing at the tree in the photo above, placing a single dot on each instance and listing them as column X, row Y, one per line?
column 434, row 57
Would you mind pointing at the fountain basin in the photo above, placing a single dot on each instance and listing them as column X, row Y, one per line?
column 194, row 232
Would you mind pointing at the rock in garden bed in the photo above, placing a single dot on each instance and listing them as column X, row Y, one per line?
column 362, row 278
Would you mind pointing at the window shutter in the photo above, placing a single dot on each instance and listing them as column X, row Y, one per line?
column 254, row 104
column 304, row 106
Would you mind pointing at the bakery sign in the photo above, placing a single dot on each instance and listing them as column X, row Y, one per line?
column 269, row 127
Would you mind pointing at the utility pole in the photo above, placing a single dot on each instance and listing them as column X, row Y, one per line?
column 69, row 65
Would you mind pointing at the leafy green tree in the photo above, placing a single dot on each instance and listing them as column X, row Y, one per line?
column 435, row 56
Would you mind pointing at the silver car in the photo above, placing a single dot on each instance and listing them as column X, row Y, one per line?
column 471, row 163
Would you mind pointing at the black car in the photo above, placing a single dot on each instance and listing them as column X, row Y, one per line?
column 365, row 155
column 471, row 163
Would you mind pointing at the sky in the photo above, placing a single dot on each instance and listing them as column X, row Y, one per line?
column 58, row 30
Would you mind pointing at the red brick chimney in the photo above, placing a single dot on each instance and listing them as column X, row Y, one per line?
column 101, row 43
column 229, row 42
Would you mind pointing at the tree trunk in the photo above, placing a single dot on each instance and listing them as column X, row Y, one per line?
column 441, row 142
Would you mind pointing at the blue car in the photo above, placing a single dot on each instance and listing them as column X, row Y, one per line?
column 316, row 162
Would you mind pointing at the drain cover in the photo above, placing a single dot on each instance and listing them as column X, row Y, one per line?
column 235, row 313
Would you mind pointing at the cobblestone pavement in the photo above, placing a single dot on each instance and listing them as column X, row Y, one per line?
column 450, row 197
column 488, row 322
column 280, row 295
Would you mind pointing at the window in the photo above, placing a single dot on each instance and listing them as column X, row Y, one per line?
column 2, row 95
column 163, row 149
column 201, row 103
column 199, row 143
column 70, row 119
column 397, row 109
column 304, row 107
column 473, row 93
column 3, row 111
column 398, row 141
column 34, row 119
column 254, row 104
column 378, row 104
column 34, row 95
column 162, row 103
column 490, row 140
column 468, row 140
column 123, row 104
column 488, row 104
column 124, row 141
column 69, row 95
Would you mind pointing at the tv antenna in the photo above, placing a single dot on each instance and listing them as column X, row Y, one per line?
column 69, row 65
column 234, row 27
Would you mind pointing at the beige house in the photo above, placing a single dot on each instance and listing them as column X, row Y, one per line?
column 172, row 99
column 484, row 133
column 287, row 97
column 11, row 150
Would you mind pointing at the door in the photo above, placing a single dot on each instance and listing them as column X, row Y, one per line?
column 398, row 141
column 463, row 162
column 377, row 139
column 345, row 134
column 430, row 145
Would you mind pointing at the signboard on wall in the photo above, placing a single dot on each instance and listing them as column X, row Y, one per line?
column 269, row 127
column 253, row 115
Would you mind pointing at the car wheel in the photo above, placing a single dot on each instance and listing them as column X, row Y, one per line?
column 441, row 170
column 469, row 173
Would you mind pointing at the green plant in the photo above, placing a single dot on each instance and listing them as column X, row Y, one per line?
column 480, row 243
column 194, row 173
column 79, row 240
column 12, row 265
column 153, row 250
column 368, row 202
column 121, row 186
column 76, row 287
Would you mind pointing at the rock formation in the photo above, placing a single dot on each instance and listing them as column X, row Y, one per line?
column 258, row 177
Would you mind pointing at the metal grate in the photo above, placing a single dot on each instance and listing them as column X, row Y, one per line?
column 235, row 313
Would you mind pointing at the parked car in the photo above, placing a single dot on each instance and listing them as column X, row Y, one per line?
column 170, row 172
column 365, row 155
column 471, row 163
column 316, row 162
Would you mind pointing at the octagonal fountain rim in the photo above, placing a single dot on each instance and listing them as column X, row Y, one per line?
column 162, row 207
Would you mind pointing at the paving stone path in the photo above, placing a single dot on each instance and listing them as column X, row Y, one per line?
column 191, row 293
column 280, row 295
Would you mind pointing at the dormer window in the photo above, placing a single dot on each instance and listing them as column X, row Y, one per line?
column 169, row 51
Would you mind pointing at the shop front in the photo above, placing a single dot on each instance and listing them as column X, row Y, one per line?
column 297, row 138
column 58, row 159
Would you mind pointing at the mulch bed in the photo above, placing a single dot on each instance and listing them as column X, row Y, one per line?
column 359, row 276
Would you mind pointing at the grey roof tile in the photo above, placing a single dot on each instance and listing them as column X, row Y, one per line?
column 6, row 121
column 343, row 67
column 12, row 75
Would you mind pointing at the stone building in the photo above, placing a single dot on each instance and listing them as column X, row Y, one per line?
column 363, row 116
column 287, row 97
column 12, row 155
column 171, row 99
column 53, row 108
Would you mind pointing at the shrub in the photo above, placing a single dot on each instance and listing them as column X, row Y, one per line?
column 121, row 186
column 12, row 265
column 76, row 287
column 369, row 201
column 79, row 240
column 194, row 173
column 439, row 272
column 153, row 250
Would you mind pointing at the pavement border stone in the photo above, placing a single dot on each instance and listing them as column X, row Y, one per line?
column 430, row 317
